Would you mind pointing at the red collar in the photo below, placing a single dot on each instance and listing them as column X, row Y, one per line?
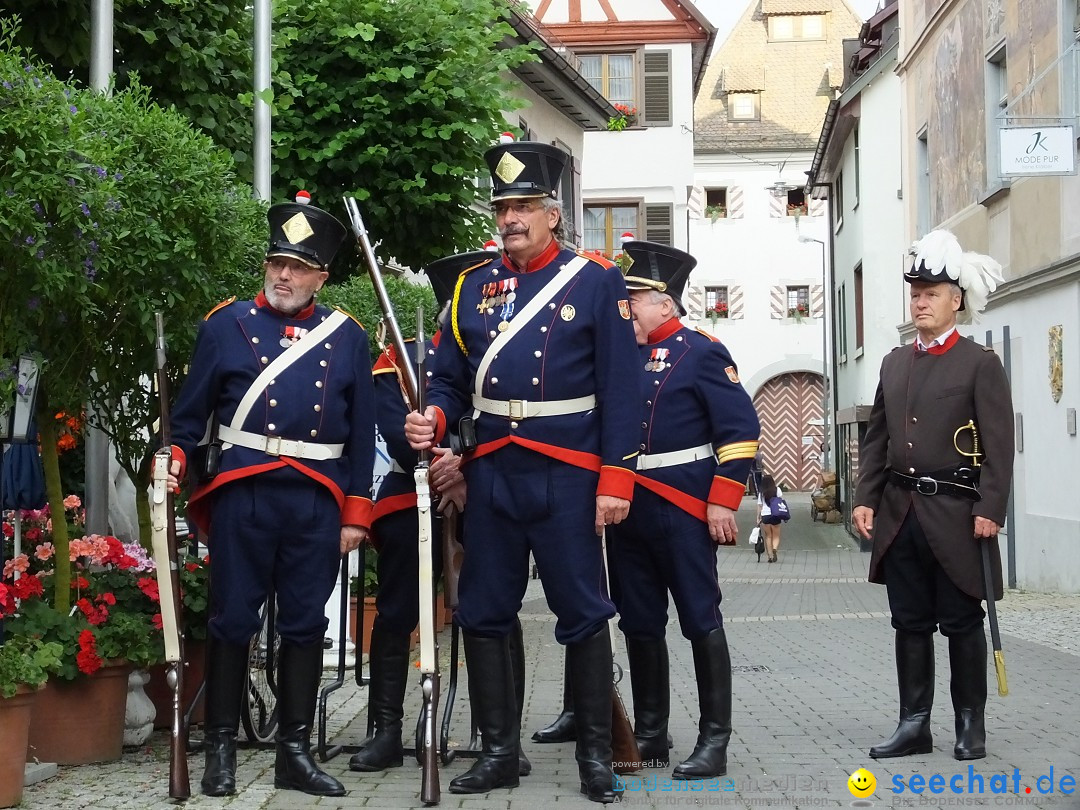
column 950, row 341
column 435, row 338
column 543, row 260
column 306, row 312
column 664, row 331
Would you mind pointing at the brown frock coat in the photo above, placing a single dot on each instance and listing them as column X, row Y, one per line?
column 922, row 398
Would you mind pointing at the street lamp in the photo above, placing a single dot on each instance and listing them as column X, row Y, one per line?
column 826, row 438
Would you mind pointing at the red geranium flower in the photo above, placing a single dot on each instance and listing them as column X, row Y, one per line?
column 26, row 586
column 149, row 586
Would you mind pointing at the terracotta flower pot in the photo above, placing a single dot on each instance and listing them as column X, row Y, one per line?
column 81, row 721
column 369, row 620
column 15, row 714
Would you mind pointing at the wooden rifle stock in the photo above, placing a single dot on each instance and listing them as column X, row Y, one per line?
column 179, row 781
column 625, row 757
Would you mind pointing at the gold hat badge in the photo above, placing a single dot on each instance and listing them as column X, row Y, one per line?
column 297, row 229
column 508, row 168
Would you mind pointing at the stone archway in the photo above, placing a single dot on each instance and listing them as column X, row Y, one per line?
column 792, row 431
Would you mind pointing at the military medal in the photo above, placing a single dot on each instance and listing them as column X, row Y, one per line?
column 503, row 326
column 656, row 360
column 511, row 296
column 291, row 334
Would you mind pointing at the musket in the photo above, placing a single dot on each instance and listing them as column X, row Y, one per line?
column 165, row 550
column 625, row 756
column 429, row 653
column 429, row 670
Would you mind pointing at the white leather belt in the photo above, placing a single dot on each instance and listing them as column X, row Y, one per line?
column 524, row 409
column 654, row 460
column 276, row 446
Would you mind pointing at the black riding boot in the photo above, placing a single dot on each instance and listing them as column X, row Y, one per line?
column 967, row 658
column 712, row 665
column 491, row 693
column 299, row 672
column 564, row 729
column 517, row 662
column 915, row 677
column 389, row 661
column 226, row 669
column 589, row 662
column 648, row 658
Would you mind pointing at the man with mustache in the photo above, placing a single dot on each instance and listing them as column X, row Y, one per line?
column 540, row 349
column 283, row 387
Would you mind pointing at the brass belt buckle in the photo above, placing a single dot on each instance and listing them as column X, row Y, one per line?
column 927, row 480
column 517, row 409
column 273, row 445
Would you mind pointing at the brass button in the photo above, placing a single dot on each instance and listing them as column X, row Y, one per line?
column 318, row 408
column 644, row 424
column 327, row 345
column 254, row 340
column 513, row 424
column 536, row 380
column 271, row 427
column 494, row 380
column 252, row 310
column 543, row 328
column 492, row 333
column 314, row 433
column 318, row 383
column 273, row 403
column 538, row 353
column 263, row 360
column 322, row 363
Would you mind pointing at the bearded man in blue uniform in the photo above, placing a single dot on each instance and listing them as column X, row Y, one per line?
column 539, row 347
column 698, row 437
column 282, row 387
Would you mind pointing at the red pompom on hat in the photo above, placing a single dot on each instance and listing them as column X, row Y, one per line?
column 491, row 244
column 303, row 198
column 506, row 137
column 626, row 237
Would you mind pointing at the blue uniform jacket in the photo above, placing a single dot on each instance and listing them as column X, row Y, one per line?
column 693, row 400
column 325, row 397
column 581, row 344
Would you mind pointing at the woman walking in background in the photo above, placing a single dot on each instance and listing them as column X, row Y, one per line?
column 768, row 496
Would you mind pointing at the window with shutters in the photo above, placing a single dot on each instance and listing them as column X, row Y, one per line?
column 858, row 306
column 641, row 80
column 605, row 224
column 798, row 302
column 716, row 302
column 786, row 27
column 568, row 196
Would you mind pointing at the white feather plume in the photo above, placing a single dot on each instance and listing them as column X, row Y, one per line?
column 979, row 276
column 940, row 252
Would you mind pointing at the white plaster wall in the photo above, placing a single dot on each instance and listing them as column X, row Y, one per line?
column 873, row 233
column 757, row 253
column 655, row 164
column 1047, row 531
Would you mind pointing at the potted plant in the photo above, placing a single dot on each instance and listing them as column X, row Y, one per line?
column 626, row 116
column 114, row 625
column 715, row 212
column 24, row 667
column 719, row 311
column 796, row 210
column 797, row 312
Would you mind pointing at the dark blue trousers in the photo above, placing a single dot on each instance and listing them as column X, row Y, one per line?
column 277, row 529
column 398, row 599
column 660, row 548
column 522, row 501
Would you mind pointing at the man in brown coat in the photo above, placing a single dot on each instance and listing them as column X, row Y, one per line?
column 936, row 465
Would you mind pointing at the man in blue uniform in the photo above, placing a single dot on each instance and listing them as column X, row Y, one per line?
column 698, row 438
column 283, row 387
column 539, row 347
column 394, row 532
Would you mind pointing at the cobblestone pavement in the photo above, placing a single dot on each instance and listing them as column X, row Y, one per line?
column 814, row 688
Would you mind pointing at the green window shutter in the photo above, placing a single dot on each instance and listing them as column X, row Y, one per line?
column 659, row 223
column 656, row 101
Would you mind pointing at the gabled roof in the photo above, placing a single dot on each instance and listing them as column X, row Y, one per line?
column 555, row 78
column 795, row 79
column 606, row 23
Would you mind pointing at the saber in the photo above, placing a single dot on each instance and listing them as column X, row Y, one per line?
column 991, row 614
column 163, row 525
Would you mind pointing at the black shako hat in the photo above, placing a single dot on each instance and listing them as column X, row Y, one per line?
column 443, row 273
column 524, row 169
column 658, row 267
column 304, row 232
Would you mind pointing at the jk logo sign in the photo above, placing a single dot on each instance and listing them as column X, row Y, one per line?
column 1037, row 150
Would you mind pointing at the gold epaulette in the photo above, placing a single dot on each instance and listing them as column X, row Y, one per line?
column 595, row 257
column 224, row 303
column 353, row 317
column 713, row 338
